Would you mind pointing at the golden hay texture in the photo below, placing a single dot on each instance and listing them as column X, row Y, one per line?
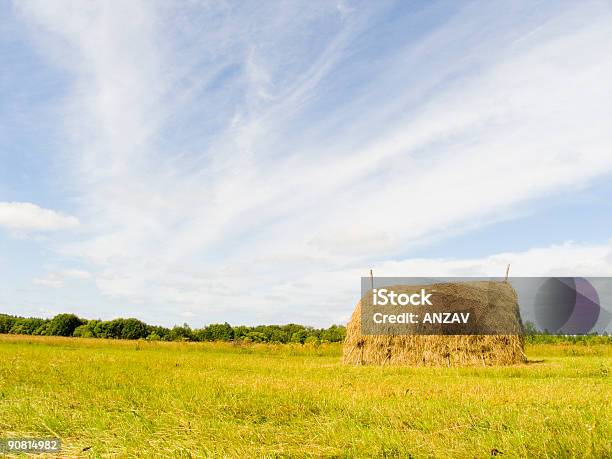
column 495, row 302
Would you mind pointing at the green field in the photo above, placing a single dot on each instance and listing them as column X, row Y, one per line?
column 140, row 399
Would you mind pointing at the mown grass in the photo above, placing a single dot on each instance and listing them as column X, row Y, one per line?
column 140, row 399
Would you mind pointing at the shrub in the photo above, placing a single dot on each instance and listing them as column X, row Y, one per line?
column 83, row 331
column 312, row 340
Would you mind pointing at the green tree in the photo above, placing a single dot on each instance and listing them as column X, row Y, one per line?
column 158, row 332
column 26, row 326
column 64, row 325
column 313, row 340
column 255, row 337
column 220, row 332
column 87, row 330
column 109, row 329
column 333, row 334
column 240, row 331
column 133, row 329
column 183, row 333
column 6, row 323
column 299, row 336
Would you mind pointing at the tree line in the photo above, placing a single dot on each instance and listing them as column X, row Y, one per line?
column 533, row 335
column 71, row 325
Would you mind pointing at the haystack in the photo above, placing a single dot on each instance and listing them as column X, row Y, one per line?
column 496, row 305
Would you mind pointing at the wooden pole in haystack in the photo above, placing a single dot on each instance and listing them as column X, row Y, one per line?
column 372, row 280
column 507, row 272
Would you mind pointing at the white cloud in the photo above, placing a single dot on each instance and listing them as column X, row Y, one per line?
column 568, row 259
column 323, row 295
column 49, row 281
column 249, row 150
column 25, row 216
column 59, row 278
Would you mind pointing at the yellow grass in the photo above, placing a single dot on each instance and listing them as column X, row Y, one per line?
column 139, row 399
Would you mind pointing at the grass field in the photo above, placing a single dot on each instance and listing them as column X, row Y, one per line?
column 140, row 399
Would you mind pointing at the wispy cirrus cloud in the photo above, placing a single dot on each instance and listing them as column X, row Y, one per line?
column 59, row 278
column 220, row 146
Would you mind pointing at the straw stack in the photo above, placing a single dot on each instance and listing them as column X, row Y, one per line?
column 496, row 305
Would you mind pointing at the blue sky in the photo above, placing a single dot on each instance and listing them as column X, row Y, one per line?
column 209, row 161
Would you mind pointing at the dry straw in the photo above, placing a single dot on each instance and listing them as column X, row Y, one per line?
column 496, row 302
